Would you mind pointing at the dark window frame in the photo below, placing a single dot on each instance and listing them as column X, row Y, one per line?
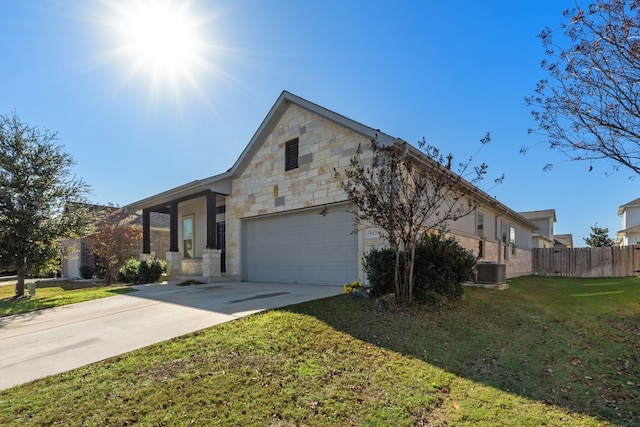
column 291, row 155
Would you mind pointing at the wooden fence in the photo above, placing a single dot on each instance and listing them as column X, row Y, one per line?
column 614, row 261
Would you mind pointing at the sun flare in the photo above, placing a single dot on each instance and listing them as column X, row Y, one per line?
column 161, row 40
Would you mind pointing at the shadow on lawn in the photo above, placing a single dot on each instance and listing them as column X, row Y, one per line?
column 588, row 363
column 69, row 285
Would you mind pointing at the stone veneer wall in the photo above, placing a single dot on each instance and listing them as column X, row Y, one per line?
column 159, row 243
column 264, row 187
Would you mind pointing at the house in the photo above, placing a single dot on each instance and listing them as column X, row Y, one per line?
column 77, row 252
column 544, row 220
column 279, row 213
column 630, row 233
column 563, row 241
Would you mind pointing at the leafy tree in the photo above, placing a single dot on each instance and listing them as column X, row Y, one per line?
column 589, row 106
column 409, row 192
column 114, row 241
column 37, row 196
column 599, row 237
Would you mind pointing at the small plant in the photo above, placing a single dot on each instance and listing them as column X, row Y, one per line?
column 356, row 288
column 386, row 302
column 86, row 272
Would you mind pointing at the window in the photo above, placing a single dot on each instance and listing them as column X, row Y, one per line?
column 505, row 235
column 480, row 225
column 221, row 209
column 512, row 239
column 480, row 233
column 291, row 155
column 187, row 237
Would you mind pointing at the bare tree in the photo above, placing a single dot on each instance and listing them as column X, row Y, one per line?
column 409, row 192
column 589, row 107
column 114, row 241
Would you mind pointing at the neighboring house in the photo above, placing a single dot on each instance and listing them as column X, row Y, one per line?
column 544, row 220
column 630, row 233
column 279, row 213
column 563, row 241
column 77, row 252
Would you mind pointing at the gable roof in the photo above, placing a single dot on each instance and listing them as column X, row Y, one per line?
column 221, row 183
column 280, row 107
column 633, row 203
column 563, row 240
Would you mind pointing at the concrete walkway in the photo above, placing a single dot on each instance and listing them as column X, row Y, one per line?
column 38, row 344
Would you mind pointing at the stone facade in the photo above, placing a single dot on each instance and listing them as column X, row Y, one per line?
column 258, row 186
column 264, row 187
column 211, row 264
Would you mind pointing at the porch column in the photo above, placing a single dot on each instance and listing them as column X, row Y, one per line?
column 173, row 227
column 146, row 231
column 174, row 258
column 212, row 239
column 211, row 264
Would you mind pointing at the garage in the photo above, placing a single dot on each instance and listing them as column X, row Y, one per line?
column 304, row 247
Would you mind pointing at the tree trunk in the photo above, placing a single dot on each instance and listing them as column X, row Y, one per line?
column 412, row 261
column 20, row 283
column 396, row 276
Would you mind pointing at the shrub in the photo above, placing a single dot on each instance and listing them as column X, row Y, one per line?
column 441, row 266
column 379, row 266
column 149, row 272
column 129, row 271
column 135, row 271
column 86, row 271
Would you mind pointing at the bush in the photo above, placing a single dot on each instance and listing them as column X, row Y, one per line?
column 86, row 272
column 150, row 272
column 379, row 266
column 135, row 271
column 441, row 266
column 129, row 271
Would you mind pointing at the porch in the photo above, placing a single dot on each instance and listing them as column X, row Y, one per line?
column 196, row 235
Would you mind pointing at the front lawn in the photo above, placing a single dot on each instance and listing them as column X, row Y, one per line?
column 54, row 293
column 547, row 351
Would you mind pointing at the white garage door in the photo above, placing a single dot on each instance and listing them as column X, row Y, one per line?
column 304, row 247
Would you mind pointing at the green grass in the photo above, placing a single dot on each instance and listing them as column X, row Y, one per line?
column 547, row 351
column 54, row 293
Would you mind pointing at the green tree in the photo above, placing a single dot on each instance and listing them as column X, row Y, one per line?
column 599, row 237
column 38, row 196
column 589, row 105
column 410, row 192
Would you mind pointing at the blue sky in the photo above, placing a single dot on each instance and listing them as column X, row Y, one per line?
column 445, row 71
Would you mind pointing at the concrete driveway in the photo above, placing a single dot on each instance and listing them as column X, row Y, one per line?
column 38, row 344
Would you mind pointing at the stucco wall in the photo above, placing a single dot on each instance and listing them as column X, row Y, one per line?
column 197, row 208
column 631, row 217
